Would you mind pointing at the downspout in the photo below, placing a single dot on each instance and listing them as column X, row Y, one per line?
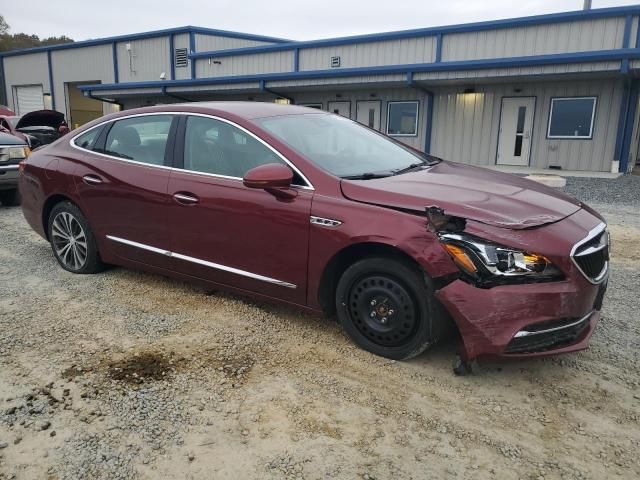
column 263, row 88
column 173, row 95
column 429, row 117
column 106, row 100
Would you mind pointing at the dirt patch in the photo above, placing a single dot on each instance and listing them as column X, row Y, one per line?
column 141, row 367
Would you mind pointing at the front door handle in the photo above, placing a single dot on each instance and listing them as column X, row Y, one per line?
column 92, row 180
column 185, row 198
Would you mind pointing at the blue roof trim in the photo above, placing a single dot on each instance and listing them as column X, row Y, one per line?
column 434, row 31
column 535, row 60
column 144, row 35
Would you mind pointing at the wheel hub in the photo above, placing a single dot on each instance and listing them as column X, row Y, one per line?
column 383, row 311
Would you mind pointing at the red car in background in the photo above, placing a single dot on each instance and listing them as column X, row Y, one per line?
column 36, row 128
column 308, row 208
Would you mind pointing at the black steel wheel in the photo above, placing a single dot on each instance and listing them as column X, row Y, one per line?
column 386, row 307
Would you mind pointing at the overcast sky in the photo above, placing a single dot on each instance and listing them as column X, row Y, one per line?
column 294, row 19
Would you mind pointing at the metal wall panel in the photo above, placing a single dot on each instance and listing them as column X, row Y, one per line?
column 147, row 59
column 182, row 41
column 205, row 43
column 576, row 36
column 466, row 126
column 77, row 65
column 274, row 62
column 385, row 96
column 28, row 69
column 520, row 71
column 389, row 52
column 363, row 81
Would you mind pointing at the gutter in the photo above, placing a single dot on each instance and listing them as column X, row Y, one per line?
column 263, row 88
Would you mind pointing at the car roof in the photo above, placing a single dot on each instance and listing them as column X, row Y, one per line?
column 247, row 110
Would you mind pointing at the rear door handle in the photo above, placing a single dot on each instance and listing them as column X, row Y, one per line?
column 92, row 180
column 185, row 198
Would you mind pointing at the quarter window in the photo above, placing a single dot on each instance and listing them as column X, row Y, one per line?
column 88, row 139
column 402, row 119
column 213, row 146
column 572, row 117
column 142, row 139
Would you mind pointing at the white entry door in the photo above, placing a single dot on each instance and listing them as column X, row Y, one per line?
column 368, row 113
column 341, row 108
column 516, row 125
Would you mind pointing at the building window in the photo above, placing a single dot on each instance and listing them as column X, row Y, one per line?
column 402, row 119
column 572, row 117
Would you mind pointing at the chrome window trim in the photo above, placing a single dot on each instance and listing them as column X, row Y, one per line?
column 72, row 143
column 594, row 232
column 526, row 333
column 199, row 261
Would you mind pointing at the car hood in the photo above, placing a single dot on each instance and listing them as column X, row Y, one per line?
column 474, row 193
column 41, row 118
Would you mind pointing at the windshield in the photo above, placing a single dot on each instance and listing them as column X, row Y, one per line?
column 343, row 147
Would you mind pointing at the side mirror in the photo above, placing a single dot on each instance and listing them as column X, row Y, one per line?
column 63, row 130
column 275, row 178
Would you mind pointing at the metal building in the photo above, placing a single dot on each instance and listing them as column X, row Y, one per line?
column 551, row 91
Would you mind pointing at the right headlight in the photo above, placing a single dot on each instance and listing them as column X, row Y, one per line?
column 14, row 153
column 488, row 262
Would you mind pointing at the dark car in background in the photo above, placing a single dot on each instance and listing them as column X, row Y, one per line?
column 315, row 210
column 36, row 128
column 13, row 150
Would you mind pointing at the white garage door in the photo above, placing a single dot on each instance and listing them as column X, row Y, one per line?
column 29, row 99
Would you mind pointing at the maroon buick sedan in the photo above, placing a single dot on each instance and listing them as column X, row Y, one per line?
column 308, row 208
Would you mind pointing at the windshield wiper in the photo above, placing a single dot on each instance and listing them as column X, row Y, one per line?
column 413, row 166
column 366, row 176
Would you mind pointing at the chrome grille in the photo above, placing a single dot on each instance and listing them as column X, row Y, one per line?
column 591, row 255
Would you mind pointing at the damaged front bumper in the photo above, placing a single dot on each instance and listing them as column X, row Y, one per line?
column 523, row 320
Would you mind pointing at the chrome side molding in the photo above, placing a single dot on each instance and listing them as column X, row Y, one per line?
column 325, row 222
column 199, row 261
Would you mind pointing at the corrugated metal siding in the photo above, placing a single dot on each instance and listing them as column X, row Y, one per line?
column 214, row 88
column 274, row 62
column 466, row 127
column 77, row 65
column 409, row 50
column 363, row 79
column 577, row 36
column 205, row 43
column 149, row 58
column 25, row 70
column 182, row 41
column 521, row 71
column 384, row 96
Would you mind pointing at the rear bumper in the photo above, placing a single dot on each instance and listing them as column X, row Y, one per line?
column 8, row 177
column 518, row 321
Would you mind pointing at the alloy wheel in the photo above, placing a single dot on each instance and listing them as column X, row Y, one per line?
column 69, row 241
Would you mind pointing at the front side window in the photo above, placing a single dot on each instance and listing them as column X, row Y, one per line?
column 343, row 147
column 572, row 118
column 142, row 139
column 402, row 119
column 216, row 147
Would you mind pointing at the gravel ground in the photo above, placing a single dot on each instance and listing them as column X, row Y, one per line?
column 129, row 375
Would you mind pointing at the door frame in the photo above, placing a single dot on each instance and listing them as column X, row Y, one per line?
column 340, row 101
column 533, row 125
column 379, row 102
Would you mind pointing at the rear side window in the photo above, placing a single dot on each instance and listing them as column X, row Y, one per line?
column 212, row 146
column 143, row 139
column 87, row 140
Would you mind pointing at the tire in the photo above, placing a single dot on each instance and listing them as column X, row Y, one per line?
column 81, row 254
column 10, row 198
column 386, row 307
